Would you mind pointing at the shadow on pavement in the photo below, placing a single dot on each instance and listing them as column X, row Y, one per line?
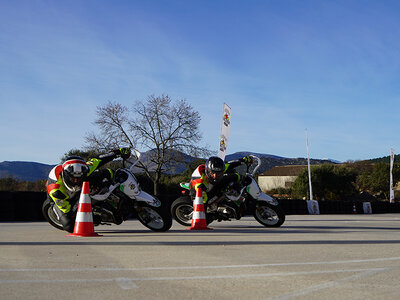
column 201, row 243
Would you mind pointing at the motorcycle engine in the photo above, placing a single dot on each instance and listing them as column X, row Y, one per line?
column 227, row 212
column 105, row 213
column 223, row 210
column 102, row 215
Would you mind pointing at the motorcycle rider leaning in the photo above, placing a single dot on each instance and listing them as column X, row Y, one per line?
column 65, row 181
column 215, row 175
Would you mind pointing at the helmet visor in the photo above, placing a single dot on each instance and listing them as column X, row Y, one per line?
column 215, row 176
column 74, row 174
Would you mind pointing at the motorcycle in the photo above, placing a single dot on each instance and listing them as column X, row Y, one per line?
column 122, row 200
column 234, row 203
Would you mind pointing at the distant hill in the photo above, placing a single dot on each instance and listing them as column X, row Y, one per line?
column 169, row 168
column 24, row 170
column 33, row 171
column 238, row 155
column 385, row 159
column 269, row 161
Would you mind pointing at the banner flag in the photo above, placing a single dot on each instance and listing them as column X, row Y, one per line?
column 226, row 124
column 367, row 207
column 313, row 207
column 391, row 176
column 309, row 168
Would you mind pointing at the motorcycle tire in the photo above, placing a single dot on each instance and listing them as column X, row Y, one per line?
column 269, row 215
column 154, row 218
column 50, row 215
column 182, row 210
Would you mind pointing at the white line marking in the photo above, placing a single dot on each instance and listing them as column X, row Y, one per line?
column 326, row 285
column 203, row 267
column 126, row 283
column 207, row 277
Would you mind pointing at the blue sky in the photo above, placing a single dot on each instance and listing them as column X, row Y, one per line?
column 332, row 67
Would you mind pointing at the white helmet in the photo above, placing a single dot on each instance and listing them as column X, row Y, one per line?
column 74, row 173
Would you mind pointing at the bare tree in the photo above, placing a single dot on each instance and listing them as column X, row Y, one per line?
column 166, row 128
column 113, row 122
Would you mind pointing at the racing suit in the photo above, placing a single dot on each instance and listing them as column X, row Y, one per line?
column 64, row 198
column 209, row 190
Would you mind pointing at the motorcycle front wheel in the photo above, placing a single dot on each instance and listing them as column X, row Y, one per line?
column 269, row 215
column 154, row 218
column 50, row 215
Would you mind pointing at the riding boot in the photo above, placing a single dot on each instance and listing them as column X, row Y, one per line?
column 67, row 220
column 67, row 223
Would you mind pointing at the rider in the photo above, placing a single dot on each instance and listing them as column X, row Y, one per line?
column 65, row 181
column 215, row 175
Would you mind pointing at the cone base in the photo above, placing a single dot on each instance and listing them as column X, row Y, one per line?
column 198, row 228
column 84, row 234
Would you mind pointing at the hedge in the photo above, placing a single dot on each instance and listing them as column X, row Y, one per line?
column 27, row 206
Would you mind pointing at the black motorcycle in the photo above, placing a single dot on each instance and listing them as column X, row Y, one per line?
column 233, row 203
column 124, row 199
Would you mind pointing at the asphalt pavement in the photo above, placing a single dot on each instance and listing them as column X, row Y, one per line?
column 309, row 257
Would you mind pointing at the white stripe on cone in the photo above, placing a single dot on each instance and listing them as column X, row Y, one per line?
column 199, row 215
column 85, row 198
column 198, row 200
column 84, row 217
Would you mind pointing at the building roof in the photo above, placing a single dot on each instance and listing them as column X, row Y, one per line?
column 291, row 170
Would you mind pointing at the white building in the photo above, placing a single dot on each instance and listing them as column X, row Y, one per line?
column 279, row 177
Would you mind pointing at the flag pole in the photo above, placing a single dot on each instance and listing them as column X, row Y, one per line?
column 391, row 176
column 309, row 169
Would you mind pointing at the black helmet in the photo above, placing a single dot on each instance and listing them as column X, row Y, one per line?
column 215, row 168
column 74, row 173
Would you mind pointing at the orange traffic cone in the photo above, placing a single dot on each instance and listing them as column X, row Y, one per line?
column 84, row 218
column 199, row 216
column 354, row 208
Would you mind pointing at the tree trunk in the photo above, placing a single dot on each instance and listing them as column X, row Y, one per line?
column 155, row 186
column 156, row 181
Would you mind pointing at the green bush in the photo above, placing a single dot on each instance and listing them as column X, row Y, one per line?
column 329, row 182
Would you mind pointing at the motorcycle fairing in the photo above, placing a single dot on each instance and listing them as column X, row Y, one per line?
column 130, row 187
column 254, row 190
column 149, row 199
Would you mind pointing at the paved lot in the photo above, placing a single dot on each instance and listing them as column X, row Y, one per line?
column 309, row 257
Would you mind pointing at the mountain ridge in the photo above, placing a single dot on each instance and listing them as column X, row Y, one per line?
column 33, row 171
column 24, row 170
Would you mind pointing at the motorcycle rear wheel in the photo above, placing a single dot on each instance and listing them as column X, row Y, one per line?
column 154, row 218
column 269, row 215
column 50, row 215
column 182, row 210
